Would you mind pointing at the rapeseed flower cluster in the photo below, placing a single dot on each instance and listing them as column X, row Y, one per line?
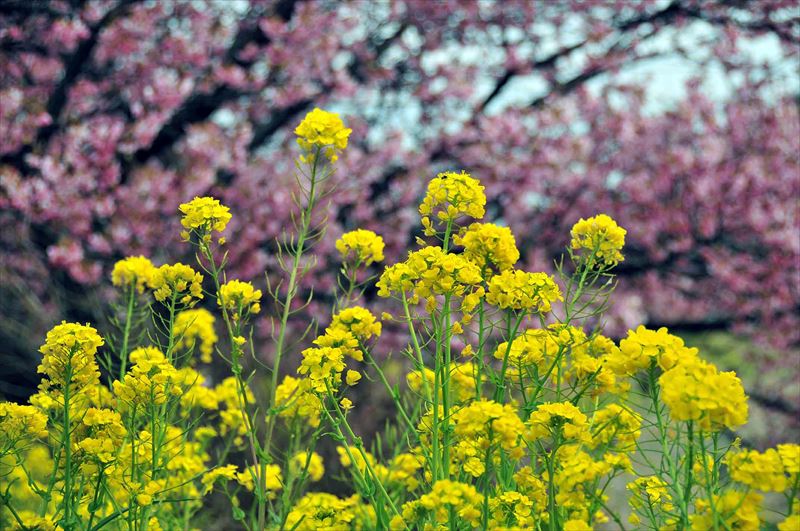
column 239, row 298
column 450, row 196
column 204, row 215
column 195, row 329
column 601, row 237
column 360, row 246
column 178, row 281
column 697, row 391
column 522, row 291
column 134, row 270
column 489, row 246
column 525, row 429
column 324, row 131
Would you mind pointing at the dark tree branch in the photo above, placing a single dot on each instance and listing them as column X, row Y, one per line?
column 546, row 63
column 198, row 107
column 278, row 119
column 73, row 66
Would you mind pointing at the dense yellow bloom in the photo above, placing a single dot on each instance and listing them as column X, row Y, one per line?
column 649, row 492
column 531, row 347
column 294, row 398
column 615, row 427
column 196, row 394
column 764, row 472
column 405, row 469
column 322, row 130
column 273, row 479
column 179, row 281
column 560, row 419
column 430, row 272
column 239, row 298
column 791, row 523
column 489, row 246
column 69, row 356
column 320, row 510
column 449, row 196
column 33, row 522
column 323, row 367
column 205, row 214
column 361, row 246
column 738, row 510
column 225, row 472
column 358, row 321
column 462, row 382
column 577, row 471
column 341, row 338
column 446, row 497
column 229, row 394
column 195, row 328
column 17, row 422
column 483, row 424
column 311, row 464
column 644, row 346
column 104, row 437
column 511, row 508
column 519, row 290
column 136, row 270
column 790, row 457
column 152, row 380
column 577, row 525
column 352, row 377
column 601, row 236
column 698, row 391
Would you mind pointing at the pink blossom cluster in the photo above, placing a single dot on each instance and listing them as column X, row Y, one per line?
column 113, row 114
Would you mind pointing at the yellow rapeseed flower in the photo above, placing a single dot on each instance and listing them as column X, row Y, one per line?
column 449, row 196
column 179, row 281
column 136, row 270
column 361, row 246
column 601, row 236
column 204, row 215
column 322, row 130
column 239, row 298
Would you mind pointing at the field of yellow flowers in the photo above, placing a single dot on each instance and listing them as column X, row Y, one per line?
column 524, row 427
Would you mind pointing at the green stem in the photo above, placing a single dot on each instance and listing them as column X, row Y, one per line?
column 123, row 354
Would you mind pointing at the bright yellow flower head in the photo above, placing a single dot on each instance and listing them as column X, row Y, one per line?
column 358, row 321
column 18, row 421
column 105, row 434
column 320, row 510
column 430, row 272
column 762, row 472
column 361, row 246
column 195, row 328
column 558, row 419
column 70, row 348
column 237, row 296
column 205, row 214
column 178, row 280
column 309, row 463
column 697, row 391
column 737, row 510
column 452, row 195
column 643, row 346
column 323, row 130
column 323, row 366
column 295, row 398
column 136, row 270
column 519, row 290
column 601, row 236
column 649, row 491
column 489, row 245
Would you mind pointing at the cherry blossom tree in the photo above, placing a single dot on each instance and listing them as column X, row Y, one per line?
column 114, row 112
